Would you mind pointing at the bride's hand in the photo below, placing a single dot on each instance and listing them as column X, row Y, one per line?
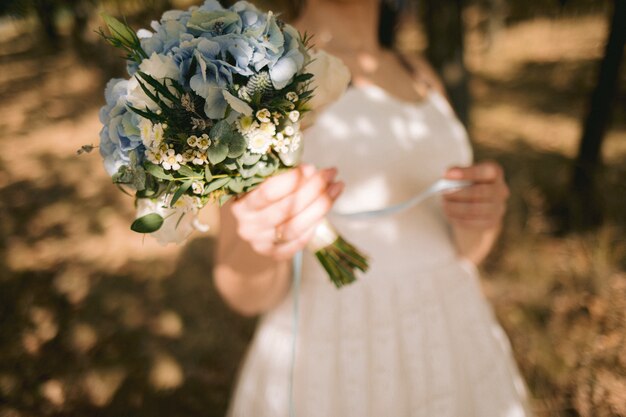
column 280, row 216
column 482, row 205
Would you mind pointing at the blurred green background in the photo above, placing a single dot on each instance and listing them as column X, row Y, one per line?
column 96, row 321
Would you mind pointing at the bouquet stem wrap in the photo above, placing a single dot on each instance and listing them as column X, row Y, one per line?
column 339, row 258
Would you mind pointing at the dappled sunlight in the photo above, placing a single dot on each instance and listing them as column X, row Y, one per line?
column 99, row 320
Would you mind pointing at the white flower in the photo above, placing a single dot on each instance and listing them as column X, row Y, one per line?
column 189, row 155
column 172, row 160
column 289, row 130
column 145, row 129
column 259, row 141
column 263, row 115
column 192, row 141
column 292, row 96
column 197, row 187
column 268, row 128
column 204, row 142
column 199, row 158
column 174, row 229
column 296, row 140
column 294, row 115
column 158, row 133
column 154, row 155
column 159, row 67
column 330, row 79
column 281, row 143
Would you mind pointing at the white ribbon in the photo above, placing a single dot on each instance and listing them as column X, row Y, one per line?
column 439, row 186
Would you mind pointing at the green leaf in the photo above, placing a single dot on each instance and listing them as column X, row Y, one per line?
column 180, row 191
column 216, row 184
column 236, row 185
column 157, row 85
column 184, row 170
column 236, row 145
column 139, row 178
column 208, row 176
column 217, row 153
column 249, row 158
column 119, row 30
column 147, row 224
column 157, row 171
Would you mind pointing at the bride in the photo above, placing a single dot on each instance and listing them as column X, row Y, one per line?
column 414, row 336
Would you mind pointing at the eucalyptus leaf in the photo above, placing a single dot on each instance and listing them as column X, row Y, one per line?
column 216, row 184
column 236, row 185
column 217, row 153
column 188, row 172
column 180, row 191
column 248, row 171
column 236, row 145
column 249, row 158
column 147, row 224
column 157, row 171
column 139, row 178
column 208, row 176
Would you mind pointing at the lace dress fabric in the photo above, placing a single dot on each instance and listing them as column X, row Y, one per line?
column 414, row 336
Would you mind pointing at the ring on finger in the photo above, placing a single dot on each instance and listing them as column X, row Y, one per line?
column 279, row 236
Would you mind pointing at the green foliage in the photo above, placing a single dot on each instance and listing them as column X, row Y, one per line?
column 147, row 224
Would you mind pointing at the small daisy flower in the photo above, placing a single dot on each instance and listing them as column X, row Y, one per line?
column 292, row 96
column 263, row 115
column 145, row 129
column 258, row 141
column 204, row 142
column 192, row 141
column 197, row 187
column 158, row 133
column 294, row 115
column 172, row 160
column 268, row 128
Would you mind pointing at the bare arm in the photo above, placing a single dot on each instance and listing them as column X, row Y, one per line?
column 260, row 233
column 476, row 212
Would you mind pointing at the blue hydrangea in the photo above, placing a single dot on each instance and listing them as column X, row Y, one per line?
column 120, row 132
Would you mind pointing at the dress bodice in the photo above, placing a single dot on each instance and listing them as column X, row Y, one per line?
column 387, row 150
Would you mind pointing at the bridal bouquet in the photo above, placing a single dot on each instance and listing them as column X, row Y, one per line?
column 213, row 107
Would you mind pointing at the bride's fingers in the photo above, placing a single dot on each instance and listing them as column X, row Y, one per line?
column 484, row 172
column 298, row 201
column 276, row 188
column 479, row 193
column 468, row 211
column 313, row 214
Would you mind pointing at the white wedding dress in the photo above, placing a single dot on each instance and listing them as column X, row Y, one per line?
column 412, row 337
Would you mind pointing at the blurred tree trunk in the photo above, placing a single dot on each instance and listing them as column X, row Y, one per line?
column 586, row 210
column 45, row 10
column 445, row 31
